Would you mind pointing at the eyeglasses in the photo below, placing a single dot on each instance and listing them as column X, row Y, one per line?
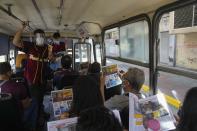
column 125, row 82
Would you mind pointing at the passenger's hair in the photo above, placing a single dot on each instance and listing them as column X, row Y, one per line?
column 4, row 68
column 98, row 119
column 66, row 61
column 39, row 31
column 86, row 94
column 124, row 114
column 94, row 68
column 135, row 77
column 188, row 116
column 56, row 35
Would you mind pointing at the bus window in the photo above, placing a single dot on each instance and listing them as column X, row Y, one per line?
column 12, row 59
column 82, row 52
column 132, row 48
column 3, row 58
column 177, row 83
column 91, row 43
column 125, row 66
column 177, row 50
column 98, row 53
column 111, row 42
column 134, row 41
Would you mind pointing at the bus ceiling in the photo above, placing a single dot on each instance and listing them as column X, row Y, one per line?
column 71, row 16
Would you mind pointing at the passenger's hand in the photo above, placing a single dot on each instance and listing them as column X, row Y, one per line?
column 102, row 80
column 121, row 73
column 177, row 120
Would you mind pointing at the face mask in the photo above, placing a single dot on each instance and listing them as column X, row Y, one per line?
column 39, row 41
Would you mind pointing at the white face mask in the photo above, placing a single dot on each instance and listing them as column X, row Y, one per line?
column 39, row 41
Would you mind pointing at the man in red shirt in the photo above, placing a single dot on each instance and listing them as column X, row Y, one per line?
column 38, row 55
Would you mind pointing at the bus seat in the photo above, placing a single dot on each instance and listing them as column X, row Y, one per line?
column 67, row 81
column 10, row 113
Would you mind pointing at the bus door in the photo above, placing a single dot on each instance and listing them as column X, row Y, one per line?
column 82, row 56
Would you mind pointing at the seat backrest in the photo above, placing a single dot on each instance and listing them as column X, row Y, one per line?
column 67, row 81
column 10, row 113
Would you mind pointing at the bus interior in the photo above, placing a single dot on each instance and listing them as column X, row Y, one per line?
column 157, row 36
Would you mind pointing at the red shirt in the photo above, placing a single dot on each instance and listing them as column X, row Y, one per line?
column 36, row 63
column 58, row 47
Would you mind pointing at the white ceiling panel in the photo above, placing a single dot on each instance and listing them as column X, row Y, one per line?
column 104, row 12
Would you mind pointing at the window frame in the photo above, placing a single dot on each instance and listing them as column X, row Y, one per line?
column 138, row 18
column 131, row 20
column 155, row 40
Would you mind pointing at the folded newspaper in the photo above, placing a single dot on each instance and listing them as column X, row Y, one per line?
column 111, row 76
column 68, row 124
column 61, row 100
column 150, row 114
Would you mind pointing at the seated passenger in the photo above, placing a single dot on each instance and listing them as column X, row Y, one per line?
column 188, row 116
column 94, row 68
column 66, row 75
column 98, row 119
column 124, row 115
column 133, row 81
column 18, row 91
column 86, row 94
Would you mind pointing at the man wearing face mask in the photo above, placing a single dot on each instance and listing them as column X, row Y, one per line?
column 38, row 54
column 58, row 50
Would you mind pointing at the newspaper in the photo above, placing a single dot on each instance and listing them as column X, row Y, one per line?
column 61, row 100
column 62, row 125
column 149, row 114
column 111, row 76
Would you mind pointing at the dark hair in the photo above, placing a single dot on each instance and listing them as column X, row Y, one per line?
column 4, row 68
column 66, row 61
column 188, row 117
column 86, row 94
column 56, row 35
column 124, row 114
column 98, row 119
column 94, row 68
column 39, row 31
